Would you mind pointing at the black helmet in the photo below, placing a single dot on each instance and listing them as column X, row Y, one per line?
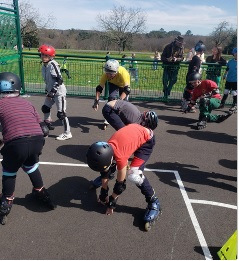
column 150, row 120
column 200, row 47
column 9, row 82
column 194, row 77
column 99, row 156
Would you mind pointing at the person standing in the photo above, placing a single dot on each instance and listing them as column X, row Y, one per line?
column 55, row 89
column 193, row 67
column 64, row 69
column 133, row 68
column 157, row 58
column 107, row 57
column 231, row 81
column 214, row 71
column 23, row 138
column 171, row 56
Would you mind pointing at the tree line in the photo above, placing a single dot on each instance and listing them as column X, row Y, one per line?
column 122, row 29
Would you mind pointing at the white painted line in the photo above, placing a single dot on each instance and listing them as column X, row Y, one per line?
column 191, row 212
column 187, row 201
column 208, row 202
column 63, row 164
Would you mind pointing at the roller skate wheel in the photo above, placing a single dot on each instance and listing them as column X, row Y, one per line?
column 147, row 226
column 105, row 126
column 3, row 220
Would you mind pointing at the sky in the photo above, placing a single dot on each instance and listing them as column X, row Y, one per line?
column 201, row 17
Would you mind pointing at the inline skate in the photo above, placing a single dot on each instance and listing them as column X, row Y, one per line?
column 152, row 213
column 43, row 196
column 5, row 208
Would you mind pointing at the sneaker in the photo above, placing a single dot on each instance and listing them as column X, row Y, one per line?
column 64, row 136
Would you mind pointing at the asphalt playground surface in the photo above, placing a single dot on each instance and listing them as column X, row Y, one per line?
column 194, row 174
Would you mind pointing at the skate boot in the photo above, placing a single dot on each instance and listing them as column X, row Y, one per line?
column 110, row 174
column 5, row 208
column 43, row 196
column 222, row 118
column 49, row 125
column 152, row 213
column 96, row 183
column 233, row 109
column 201, row 125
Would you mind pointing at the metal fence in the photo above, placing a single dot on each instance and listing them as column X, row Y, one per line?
column 85, row 73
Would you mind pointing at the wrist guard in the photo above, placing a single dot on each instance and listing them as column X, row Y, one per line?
column 112, row 202
column 119, row 187
column 103, row 195
column 96, row 103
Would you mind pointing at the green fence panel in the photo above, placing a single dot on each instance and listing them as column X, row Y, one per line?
column 10, row 41
column 85, row 72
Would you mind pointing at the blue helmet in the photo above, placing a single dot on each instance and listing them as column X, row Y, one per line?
column 234, row 50
column 9, row 82
column 200, row 47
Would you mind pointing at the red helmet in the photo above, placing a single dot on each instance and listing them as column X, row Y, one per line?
column 47, row 49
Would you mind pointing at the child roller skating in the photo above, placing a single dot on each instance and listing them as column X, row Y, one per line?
column 118, row 114
column 209, row 98
column 131, row 139
column 23, row 143
column 118, row 80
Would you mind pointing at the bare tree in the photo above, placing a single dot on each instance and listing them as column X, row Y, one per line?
column 121, row 24
column 222, row 33
column 31, row 22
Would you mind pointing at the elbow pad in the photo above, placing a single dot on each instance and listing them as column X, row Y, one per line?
column 99, row 89
column 127, row 90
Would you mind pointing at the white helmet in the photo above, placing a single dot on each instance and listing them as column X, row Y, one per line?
column 111, row 66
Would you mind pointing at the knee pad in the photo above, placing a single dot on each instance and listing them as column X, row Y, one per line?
column 30, row 169
column 136, row 176
column 61, row 115
column 106, row 110
column 45, row 109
